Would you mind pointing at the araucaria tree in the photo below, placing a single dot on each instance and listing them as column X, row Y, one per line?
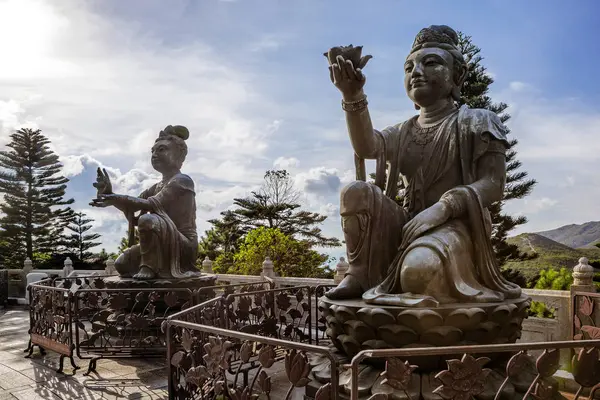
column 518, row 185
column 80, row 240
column 33, row 209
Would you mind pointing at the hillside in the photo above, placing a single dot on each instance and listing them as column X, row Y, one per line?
column 575, row 236
column 549, row 253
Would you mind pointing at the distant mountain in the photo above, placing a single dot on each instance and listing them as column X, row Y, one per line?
column 576, row 236
column 548, row 252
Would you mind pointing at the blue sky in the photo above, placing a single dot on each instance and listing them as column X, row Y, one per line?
column 249, row 80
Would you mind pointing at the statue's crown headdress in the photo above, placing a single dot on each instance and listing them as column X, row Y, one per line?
column 436, row 36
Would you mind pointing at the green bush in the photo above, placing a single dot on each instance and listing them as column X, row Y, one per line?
column 539, row 309
column 551, row 279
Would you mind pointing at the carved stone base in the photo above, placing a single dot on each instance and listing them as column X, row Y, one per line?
column 117, row 282
column 354, row 325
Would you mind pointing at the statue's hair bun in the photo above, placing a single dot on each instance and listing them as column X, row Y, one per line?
column 181, row 131
column 177, row 130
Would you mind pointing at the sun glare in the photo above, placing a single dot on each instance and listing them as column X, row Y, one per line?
column 28, row 34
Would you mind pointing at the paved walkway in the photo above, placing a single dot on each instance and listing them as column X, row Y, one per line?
column 36, row 378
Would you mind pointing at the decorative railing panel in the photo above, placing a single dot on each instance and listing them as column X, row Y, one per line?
column 585, row 318
column 474, row 372
column 280, row 313
column 208, row 361
column 81, row 316
column 51, row 320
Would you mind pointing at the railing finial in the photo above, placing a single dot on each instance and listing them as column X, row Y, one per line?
column 268, row 270
column 207, row 265
column 583, row 276
column 340, row 270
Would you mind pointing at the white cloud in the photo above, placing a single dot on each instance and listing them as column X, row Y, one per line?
column 518, row 86
column 330, row 210
column 319, row 181
column 286, row 163
column 267, row 43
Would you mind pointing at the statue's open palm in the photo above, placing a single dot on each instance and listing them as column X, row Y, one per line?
column 345, row 75
column 102, row 184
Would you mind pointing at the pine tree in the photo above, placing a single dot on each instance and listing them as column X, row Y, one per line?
column 518, row 185
column 275, row 205
column 33, row 220
column 80, row 241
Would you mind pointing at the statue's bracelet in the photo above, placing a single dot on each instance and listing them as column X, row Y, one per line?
column 355, row 105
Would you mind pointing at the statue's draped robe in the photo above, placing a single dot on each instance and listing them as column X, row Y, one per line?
column 168, row 236
column 470, row 270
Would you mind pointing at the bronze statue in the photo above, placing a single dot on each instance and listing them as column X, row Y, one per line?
column 167, row 220
column 435, row 248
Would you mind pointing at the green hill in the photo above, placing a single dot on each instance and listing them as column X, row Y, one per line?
column 549, row 254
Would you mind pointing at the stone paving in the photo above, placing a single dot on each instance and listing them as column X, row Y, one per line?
column 36, row 378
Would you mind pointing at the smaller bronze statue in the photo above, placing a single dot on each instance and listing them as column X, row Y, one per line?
column 167, row 220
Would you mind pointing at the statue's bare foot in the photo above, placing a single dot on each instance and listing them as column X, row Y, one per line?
column 145, row 273
column 349, row 288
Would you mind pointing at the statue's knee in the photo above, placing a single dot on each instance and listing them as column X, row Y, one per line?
column 354, row 197
column 146, row 222
column 123, row 263
column 420, row 266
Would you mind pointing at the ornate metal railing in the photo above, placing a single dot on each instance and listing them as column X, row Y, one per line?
column 479, row 372
column 51, row 320
column 585, row 318
column 80, row 316
column 231, row 345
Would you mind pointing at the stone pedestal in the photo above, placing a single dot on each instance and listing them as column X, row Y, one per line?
column 354, row 325
column 117, row 282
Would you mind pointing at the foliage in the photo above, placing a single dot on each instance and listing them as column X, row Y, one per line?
column 34, row 216
column 290, row 257
column 223, row 263
column 539, row 309
column 274, row 206
column 552, row 279
column 518, row 185
column 80, row 241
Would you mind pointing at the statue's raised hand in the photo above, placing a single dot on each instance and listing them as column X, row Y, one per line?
column 345, row 69
column 102, row 184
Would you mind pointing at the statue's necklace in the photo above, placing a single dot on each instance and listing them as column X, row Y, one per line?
column 423, row 136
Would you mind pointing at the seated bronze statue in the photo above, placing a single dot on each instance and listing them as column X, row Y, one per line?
column 435, row 248
column 168, row 241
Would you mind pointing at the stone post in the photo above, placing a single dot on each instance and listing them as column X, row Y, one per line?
column 110, row 267
column 207, row 265
column 27, row 266
column 68, row 268
column 340, row 270
column 267, row 268
column 583, row 277
column 583, row 281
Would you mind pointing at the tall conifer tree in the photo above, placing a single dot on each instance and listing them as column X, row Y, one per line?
column 33, row 213
column 80, row 240
column 518, row 185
